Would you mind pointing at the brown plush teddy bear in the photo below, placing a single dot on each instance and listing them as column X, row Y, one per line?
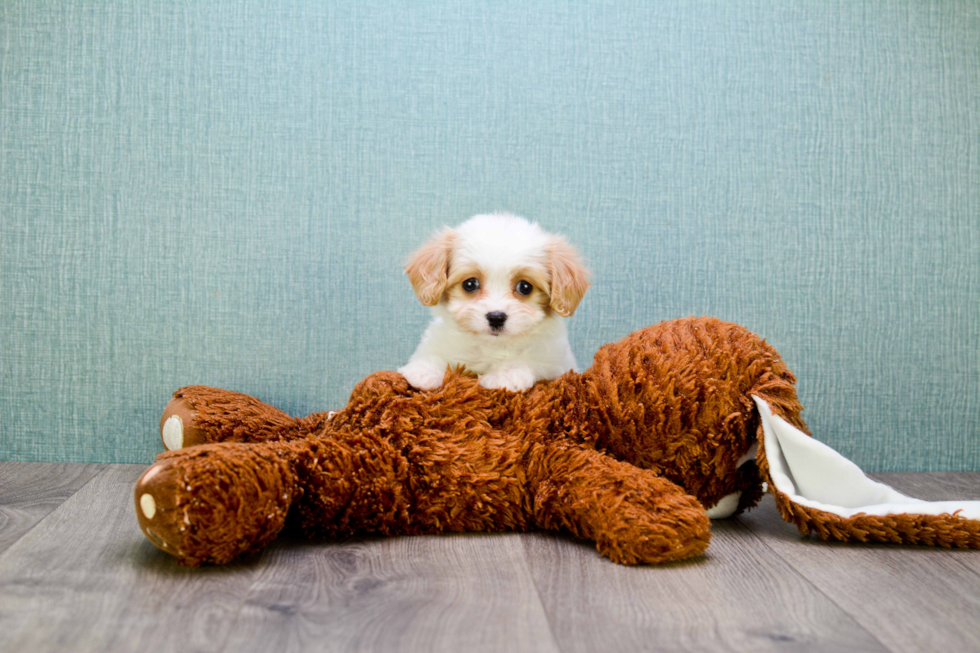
column 672, row 419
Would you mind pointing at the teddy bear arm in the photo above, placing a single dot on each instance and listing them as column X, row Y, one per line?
column 633, row 515
column 200, row 415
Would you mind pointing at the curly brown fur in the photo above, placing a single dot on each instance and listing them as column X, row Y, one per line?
column 625, row 454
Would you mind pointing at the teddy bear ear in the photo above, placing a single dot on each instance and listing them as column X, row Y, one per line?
column 428, row 267
column 569, row 277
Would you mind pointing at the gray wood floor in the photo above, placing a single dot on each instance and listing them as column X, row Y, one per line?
column 76, row 574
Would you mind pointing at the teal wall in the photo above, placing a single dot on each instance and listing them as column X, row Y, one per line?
column 222, row 193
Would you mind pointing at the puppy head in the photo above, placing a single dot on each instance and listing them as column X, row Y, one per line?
column 498, row 275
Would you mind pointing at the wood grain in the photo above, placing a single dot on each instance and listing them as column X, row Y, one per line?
column 30, row 491
column 734, row 598
column 83, row 578
column 86, row 579
column 910, row 598
column 464, row 592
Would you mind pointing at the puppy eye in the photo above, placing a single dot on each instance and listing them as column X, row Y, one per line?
column 471, row 285
column 524, row 288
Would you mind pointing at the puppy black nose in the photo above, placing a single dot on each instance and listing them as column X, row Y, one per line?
column 496, row 319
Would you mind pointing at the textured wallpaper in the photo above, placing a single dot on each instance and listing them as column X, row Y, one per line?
column 222, row 193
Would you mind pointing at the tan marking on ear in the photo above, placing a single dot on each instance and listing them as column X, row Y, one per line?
column 569, row 277
column 428, row 267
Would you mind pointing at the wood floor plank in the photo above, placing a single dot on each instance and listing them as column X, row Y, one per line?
column 86, row 579
column 469, row 592
column 82, row 577
column 734, row 598
column 910, row 598
column 31, row 491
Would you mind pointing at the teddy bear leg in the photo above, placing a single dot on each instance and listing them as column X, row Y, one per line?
column 633, row 515
column 199, row 415
column 215, row 502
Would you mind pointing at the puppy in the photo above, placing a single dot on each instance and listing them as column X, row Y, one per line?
column 500, row 288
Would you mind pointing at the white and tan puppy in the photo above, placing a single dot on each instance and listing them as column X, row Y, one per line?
column 500, row 288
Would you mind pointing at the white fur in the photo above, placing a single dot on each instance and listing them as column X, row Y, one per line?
column 533, row 343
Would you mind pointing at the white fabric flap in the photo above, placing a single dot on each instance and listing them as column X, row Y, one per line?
column 814, row 475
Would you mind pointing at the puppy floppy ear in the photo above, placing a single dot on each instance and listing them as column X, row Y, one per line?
column 428, row 268
column 569, row 278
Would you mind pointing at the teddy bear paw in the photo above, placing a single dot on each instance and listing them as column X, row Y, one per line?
column 214, row 503
column 155, row 509
column 178, row 427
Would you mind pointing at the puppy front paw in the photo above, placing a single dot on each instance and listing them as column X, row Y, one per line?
column 514, row 379
column 423, row 375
